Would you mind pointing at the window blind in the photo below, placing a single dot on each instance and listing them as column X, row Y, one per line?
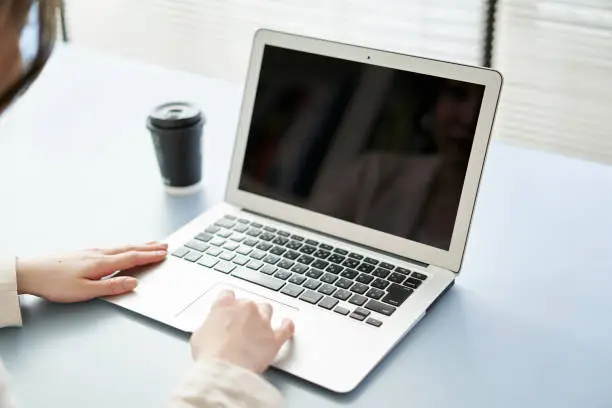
column 213, row 37
column 556, row 58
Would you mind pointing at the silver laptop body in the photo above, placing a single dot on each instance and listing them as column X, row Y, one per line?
column 353, row 181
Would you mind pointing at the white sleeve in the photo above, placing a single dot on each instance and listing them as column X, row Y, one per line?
column 10, row 315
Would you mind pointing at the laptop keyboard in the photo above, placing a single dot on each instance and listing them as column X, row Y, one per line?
column 347, row 283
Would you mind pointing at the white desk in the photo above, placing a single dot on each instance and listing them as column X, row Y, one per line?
column 528, row 324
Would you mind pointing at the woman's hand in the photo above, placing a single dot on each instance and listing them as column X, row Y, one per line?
column 77, row 277
column 239, row 332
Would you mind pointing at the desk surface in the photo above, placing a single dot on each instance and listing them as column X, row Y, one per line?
column 528, row 324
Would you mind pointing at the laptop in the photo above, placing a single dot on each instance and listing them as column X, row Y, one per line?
column 352, row 185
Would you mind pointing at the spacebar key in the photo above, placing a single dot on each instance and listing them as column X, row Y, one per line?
column 259, row 278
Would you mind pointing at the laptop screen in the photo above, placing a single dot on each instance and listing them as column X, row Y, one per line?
column 379, row 147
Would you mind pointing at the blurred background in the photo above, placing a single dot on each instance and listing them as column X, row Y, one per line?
column 555, row 55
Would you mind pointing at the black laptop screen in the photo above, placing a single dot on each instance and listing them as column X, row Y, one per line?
column 378, row 147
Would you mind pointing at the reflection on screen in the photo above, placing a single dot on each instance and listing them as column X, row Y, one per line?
column 378, row 147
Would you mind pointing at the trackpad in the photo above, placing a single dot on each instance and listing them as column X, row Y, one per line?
column 193, row 316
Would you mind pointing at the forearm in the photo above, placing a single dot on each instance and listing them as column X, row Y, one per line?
column 10, row 314
column 213, row 383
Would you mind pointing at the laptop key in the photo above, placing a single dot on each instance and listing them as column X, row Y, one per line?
column 297, row 279
column 418, row 276
column 213, row 251
column 224, row 234
column 299, row 269
column 374, row 322
column 379, row 307
column 225, row 223
column 241, row 228
column 278, row 250
column 180, row 252
column 342, row 310
column 269, row 229
column 271, row 259
column 366, row 268
column 387, row 265
column 371, row 261
column 264, row 246
column 375, row 293
column 327, row 289
column 343, row 294
column 208, row 261
column 254, row 264
column 322, row 254
column 355, row 256
column 314, row 273
column 396, row 277
column 280, row 240
column 381, row 272
column 320, row 264
column 312, row 284
column 358, row 300
column 359, row 288
column 396, row 295
column 259, row 278
column 256, row 225
column 266, row 236
column 344, row 283
column 294, row 245
column 285, row 263
column 224, row 267
column 329, row 278
column 231, row 246
column 365, row 278
column 253, row 232
column 326, row 247
column 283, row 233
column 204, row 237
column 237, row 237
column 335, row 258
column 241, row 260
column 244, row 250
column 380, row 283
column 192, row 256
column 282, row 274
column 268, row 269
column 217, row 241
column 311, row 297
column 350, row 274
column 350, row 263
column 312, row 242
column 305, row 259
column 243, row 221
column 197, row 245
column 292, row 290
column 297, row 237
column 257, row 254
column 291, row 255
column 307, row 249
column 230, row 216
column 328, row 303
column 413, row 282
column 213, row 229
column 335, row 269
column 362, row 311
column 340, row 251
column 227, row 256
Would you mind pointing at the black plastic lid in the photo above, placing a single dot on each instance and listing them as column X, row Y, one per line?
column 175, row 115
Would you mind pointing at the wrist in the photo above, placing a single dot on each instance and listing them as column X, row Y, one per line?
column 25, row 277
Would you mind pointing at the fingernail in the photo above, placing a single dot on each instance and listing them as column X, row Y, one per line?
column 161, row 253
column 130, row 283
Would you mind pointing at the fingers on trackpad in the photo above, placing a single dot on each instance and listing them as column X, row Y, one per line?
column 192, row 317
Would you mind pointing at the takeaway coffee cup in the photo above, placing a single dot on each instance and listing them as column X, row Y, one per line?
column 176, row 129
